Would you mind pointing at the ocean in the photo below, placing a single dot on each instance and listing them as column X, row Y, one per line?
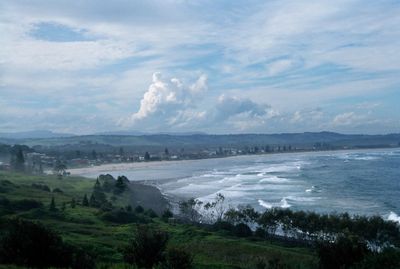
column 363, row 182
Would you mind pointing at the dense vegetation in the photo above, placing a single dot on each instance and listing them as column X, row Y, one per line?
column 95, row 223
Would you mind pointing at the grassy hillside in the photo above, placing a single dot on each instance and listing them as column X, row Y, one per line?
column 87, row 228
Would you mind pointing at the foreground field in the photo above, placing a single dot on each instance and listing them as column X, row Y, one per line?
column 103, row 234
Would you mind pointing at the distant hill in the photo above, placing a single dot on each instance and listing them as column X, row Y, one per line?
column 33, row 134
column 307, row 139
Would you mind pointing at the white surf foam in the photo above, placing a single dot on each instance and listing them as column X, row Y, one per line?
column 264, row 204
column 394, row 217
column 313, row 189
column 284, row 203
column 273, row 179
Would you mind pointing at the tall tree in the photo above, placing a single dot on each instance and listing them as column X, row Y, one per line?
column 18, row 160
column 52, row 206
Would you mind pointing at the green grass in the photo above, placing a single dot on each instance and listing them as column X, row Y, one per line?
column 82, row 226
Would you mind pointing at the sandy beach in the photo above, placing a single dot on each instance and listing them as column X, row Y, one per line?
column 123, row 166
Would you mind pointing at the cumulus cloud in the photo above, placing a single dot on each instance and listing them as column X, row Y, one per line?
column 347, row 118
column 241, row 113
column 228, row 106
column 307, row 115
column 173, row 104
column 168, row 100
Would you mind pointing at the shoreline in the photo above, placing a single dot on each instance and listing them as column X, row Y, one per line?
column 104, row 168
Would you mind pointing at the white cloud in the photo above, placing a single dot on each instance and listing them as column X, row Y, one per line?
column 307, row 116
column 347, row 118
column 279, row 66
column 228, row 106
column 294, row 54
column 166, row 100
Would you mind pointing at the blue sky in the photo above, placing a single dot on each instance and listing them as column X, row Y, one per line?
column 212, row 66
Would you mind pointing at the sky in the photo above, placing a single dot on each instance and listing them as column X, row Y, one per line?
column 200, row 66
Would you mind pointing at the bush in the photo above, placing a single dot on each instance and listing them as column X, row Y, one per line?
column 389, row 258
column 260, row 232
column 139, row 209
column 242, row 230
column 120, row 216
column 223, row 226
column 41, row 187
column 178, row 259
column 25, row 204
column 167, row 215
column 147, row 248
column 150, row 212
column 57, row 190
column 30, row 244
column 343, row 253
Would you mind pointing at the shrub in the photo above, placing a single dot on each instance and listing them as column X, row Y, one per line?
column 388, row 258
column 139, row 209
column 25, row 204
column 223, row 226
column 57, row 190
column 150, row 212
column 147, row 248
column 242, row 230
column 343, row 253
column 166, row 215
column 178, row 259
column 41, row 187
column 120, row 216
column 30, row 244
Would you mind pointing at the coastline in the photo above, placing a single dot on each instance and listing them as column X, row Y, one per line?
column 157, row 174
column 104, row 168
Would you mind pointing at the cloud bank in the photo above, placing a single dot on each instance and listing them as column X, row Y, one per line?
column 265, row 63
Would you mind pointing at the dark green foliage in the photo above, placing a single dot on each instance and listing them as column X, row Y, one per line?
column 52, row 206
column 24, row 204
column 343, row 253
column 57, row 190
column 60, row 167
column 260, row 264
column 41, row 187
column 107, row 181
column 18, row 160
column 121, row 217
column 223, row 226
column 128, row 208
column 139, row 209
column 120, row 184
column 85, row 201
column 29, row 244
column 188, row 210
column 389, row 258
column 167, row 214
column 147, row 248
column 147, row 156
column 260, row 232
column 275, row 263
column 150, row 212
column 313, row 226
column 98, row 197
column 73, row 203
column 97, row 185
column 242, row 230
column 6, row 186
column 178, row 259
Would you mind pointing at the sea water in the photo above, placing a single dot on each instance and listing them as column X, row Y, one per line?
column 359, row 182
